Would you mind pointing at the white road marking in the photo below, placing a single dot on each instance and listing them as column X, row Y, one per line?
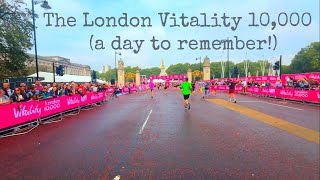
column 272, row 104
column 145, row 122
column 248, row 101
column 282, row 106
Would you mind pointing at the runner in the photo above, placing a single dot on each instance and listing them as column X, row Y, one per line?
column 186, row 91
column 201, row 87
column 213, row 91
column 207, row 89
column 193, row 84
column 151, row 85
column 166, row 86
column 232, row 92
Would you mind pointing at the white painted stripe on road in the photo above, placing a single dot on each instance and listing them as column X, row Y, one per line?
column 282, row 106
column 145, row 122
column 248, row 101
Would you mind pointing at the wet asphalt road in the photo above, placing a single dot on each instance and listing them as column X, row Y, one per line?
column 138, row 137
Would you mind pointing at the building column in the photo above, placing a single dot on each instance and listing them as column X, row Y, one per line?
column 138, row 78
column 121, row 73
column 206, row 69
column 189, row 75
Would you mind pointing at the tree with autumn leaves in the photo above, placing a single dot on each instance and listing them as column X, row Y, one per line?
column 15, row 38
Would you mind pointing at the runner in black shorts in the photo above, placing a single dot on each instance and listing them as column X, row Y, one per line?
column 232, row 92
column 186, row 91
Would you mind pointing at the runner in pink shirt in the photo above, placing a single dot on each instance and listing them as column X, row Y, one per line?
column 166, row 86
column 151, row 85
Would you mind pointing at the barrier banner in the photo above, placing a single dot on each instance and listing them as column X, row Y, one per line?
column 253, row 90
column 19, row 113
column 125, row 90
column 312, row 75
column 133, row 89
column 291, row 94
column 265, row 78
column 110, row 90
column 144, row 87
column 168, row 77
column 224, row 87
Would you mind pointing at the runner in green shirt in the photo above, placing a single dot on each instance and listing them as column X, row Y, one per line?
column 186, row 91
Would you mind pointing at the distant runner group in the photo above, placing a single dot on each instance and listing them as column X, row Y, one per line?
column 188, row 88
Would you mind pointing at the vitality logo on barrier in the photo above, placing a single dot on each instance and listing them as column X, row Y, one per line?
column 272, row 91
column 286, row 93
column 315, row 76
column 265, row 90
column 72, row 100
column 100, row 95
column 22, row 111
column 51, row 105
column 303, row 94
column 94, row 97
column 84, row 98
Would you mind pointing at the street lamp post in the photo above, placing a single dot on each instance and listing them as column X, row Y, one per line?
column 228, row 59
column 200, row 65
column 115, row 63
column 44, row 5
column 228, row 71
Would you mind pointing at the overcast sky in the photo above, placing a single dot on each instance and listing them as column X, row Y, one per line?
column 73, row 42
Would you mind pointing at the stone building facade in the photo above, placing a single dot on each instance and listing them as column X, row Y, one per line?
column 45, row 62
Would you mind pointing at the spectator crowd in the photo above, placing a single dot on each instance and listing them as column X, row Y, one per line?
column 38, row 91
column 301, row 84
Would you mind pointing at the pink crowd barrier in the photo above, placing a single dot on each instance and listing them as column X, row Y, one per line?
column 19, row 113
column 291, row 94
column 110, row 90
column 182, row 76
column 224, row 88
column 253, row 78
column 312, row 75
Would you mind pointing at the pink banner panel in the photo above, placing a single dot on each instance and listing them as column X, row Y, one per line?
column 125, row 90
column 308, row 76
column 224, row 87
column 110, row 90
column 19, row 113
column 133, row 89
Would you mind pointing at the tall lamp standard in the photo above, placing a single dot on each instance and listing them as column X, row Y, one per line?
column 115, row 63
column 200, row 65
column 227, row 41
column 44, row 5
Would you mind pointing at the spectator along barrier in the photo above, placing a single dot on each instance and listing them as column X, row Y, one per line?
column 17, row 116
column 315, row 76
